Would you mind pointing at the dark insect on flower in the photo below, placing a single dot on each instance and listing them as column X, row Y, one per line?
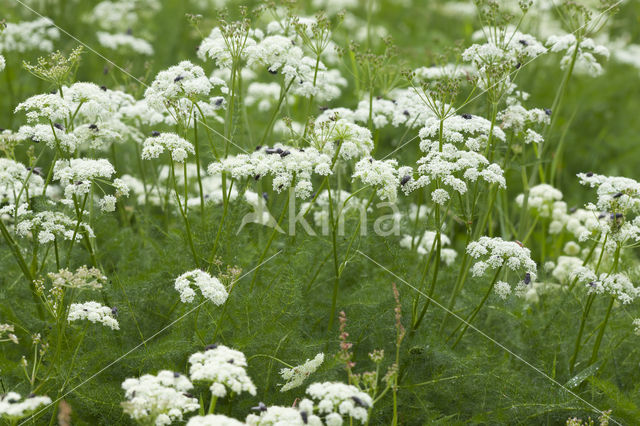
column 103, row 88
column 547, row 111
column 272, row 71
column 467, row 116
column 265, row 196
column 523, row 42
column 301, row 149
column 406, row 113
column 304, row 416
column 155, row 133
column 370, row 160
column 114, row 311
column 188, row 395
column 211, row 346
column 279, row 150
column 35, row 170
column 619, row 215
column 53, row 92
column 178, row 78
column 284, row 154
column 589, row 174
column 572, row 210
column 618, row 195
column 518, row 65
column 219, row 101
column 230, row 361
column 58, row 126
column 527, row 278
column 257, row 177
column 601, row 215
column 405, row 179
column 93, row 127
column 271, row 151
column 592, row 284
column 258, row 148
column 359, row 402
column 176, row 374
column 261, row 407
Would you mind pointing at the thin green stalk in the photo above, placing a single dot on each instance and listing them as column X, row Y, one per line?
column 468, row 321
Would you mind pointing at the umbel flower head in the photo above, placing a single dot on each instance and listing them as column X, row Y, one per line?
column 290, row 416
column 210, row 287
column 342, row 399
column 94, row 312
column 497, row 253
column 223, row 368
column 181, row 81
column 281, row 162
column 177, row 147
column 214, row 420
column 158, row 400
column 14, row 408
column 47, row 225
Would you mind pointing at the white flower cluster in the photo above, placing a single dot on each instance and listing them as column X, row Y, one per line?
column 290, row 416
column 518, row 119
column 282, row 163
column 78, row 174
column 383, row 175
column 94, row 312
column 565, row 267
column 8, row 329
column 82, row 278
column 48, row 106
column 472, row 130
column 18, row 181
column 28, row 35
column 340, row 398
column 544, row 199
column 214, row 420
column 224, row 368
column 352, row 140
column 453, row 168
column 124, row 42
column 616, row 194
column 14, row 408
column 177, row 147
column 221, row 49
column 210, row 287
column 617, row 285
column 588, row 51
column 264, row 95
column 498, row 253
column 426, row 243
column 182, row 81
column 158, row 400
column 295, row 376
column 45, row 226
